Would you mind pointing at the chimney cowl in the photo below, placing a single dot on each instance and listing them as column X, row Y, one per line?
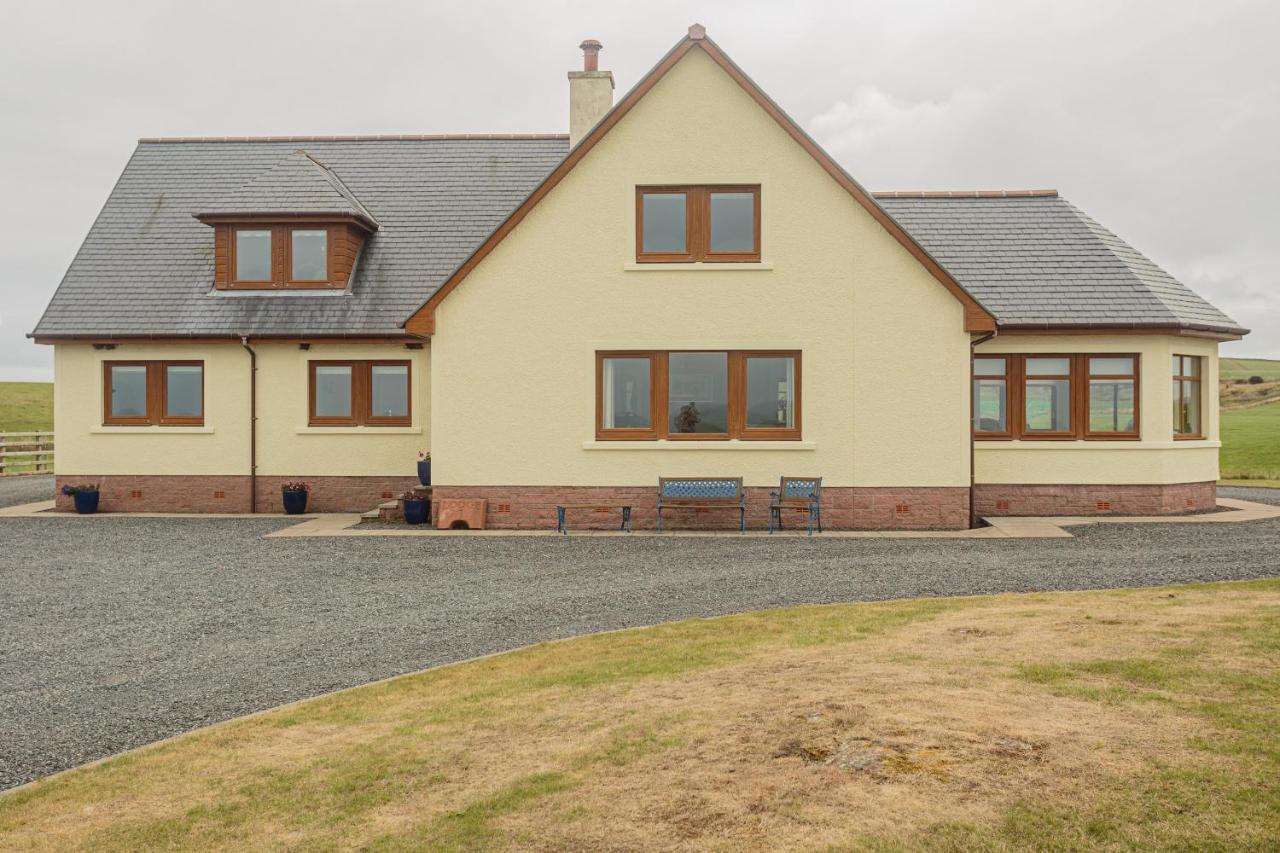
column 590, row 54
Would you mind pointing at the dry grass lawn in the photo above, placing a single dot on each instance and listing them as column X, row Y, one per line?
column 1142, row 718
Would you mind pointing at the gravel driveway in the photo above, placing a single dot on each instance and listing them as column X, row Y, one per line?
column 117, row 632
column 25, row 489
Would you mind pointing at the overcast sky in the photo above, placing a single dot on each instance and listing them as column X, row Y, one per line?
column 1159, row 119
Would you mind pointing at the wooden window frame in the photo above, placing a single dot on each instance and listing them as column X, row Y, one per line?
column 282, row 257
column 1009, row 408
column 157, row 391
column 1088, row 377
column 304, row 283
column 736, row 411
column 697, row 225
column 232, row 251
column 361, row 394
column 1198, row 379
column 1079, row 376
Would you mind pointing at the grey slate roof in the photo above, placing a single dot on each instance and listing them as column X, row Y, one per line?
column 298, row 184
column 146, row 267
column 1036, row 260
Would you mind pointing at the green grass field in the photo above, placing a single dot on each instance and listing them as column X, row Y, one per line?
column 1251, row 443
column 1243, row 368
column 26, row 406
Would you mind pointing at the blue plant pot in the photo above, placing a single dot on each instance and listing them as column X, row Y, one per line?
column 86, row 502
column 295, row 502
column 415, row 511
column 424, row 472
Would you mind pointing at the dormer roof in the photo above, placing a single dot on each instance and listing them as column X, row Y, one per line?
column 297, row 185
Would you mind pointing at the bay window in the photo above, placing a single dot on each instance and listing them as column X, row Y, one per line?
column 1187, row 397
column 1036, row 396
column 698, row 395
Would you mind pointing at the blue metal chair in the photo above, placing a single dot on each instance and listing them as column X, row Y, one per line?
column 797, row 493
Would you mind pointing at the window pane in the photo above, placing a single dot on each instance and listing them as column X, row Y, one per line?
column 1111, row 405
column 771, row 392
column 1048, row 366
column 733, row 222
column 310, row 254
column 698, row 389
column 390, row 391
column 988, row 367
column 664, row 226
column 183, row 395
column 129, row 390
column 253, row 255
column 1048, row 405
column 1190, row 366
column 990, row 402
column 1191, row 406
column 1111, row 366
column 333, row 391
column 625, row 396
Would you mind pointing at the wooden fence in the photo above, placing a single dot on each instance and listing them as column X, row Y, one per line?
column 26, row 453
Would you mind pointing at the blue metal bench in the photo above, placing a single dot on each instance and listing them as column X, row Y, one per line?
column 803, row 493
column 702, row 493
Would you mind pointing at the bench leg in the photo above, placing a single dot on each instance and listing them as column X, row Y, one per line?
column 772, row 510
column 560, row 521
column 659, row 517
column 626, row 518
column 742, row 520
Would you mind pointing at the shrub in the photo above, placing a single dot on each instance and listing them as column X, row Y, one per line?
column 1256, row 380
column 83, row 487
column 295, row 486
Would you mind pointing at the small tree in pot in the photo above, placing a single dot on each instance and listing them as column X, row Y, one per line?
column 424, row 467
column 85, row 497
column 294, row 494
column 415, row 508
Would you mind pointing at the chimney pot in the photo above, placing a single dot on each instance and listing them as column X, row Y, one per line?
column 591, row 55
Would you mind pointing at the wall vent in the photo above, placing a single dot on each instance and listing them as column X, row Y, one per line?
column 902, row 509
column 219, row 494
column 136, row 493
column 502, row 507
column 1103, row 506
column 1002, row 505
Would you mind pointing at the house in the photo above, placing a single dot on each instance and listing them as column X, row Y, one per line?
column 686, row 284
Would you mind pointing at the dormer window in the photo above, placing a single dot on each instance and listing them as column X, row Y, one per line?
column 689, row 224
column 262, row 240
column 281, row 255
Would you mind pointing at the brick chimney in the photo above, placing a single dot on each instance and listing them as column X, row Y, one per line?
column 590, row 92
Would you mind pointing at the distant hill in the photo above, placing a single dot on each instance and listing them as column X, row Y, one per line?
column 1243, row 368
column 26, row 406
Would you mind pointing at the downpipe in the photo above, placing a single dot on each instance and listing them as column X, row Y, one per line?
column 253, row 423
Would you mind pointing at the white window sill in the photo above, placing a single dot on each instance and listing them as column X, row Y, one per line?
column 1096, row 445
column 757, row 266
column 150, row 430
column 358, row 430
column 732, row 444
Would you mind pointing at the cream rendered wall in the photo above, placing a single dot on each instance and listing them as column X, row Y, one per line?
column 286, row 445
column 885, row 356
column 1155, row 459
column 84, row 446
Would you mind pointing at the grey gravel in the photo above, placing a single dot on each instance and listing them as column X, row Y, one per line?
column 25, row 489
column 117, row 632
